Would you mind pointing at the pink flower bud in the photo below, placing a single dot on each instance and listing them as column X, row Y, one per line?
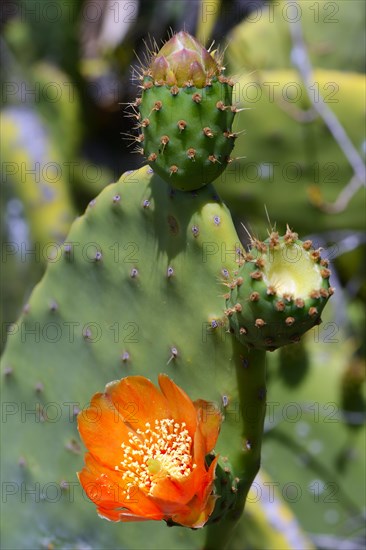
column 183, row 59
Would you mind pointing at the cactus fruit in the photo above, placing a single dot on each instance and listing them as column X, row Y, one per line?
column 279, row 292
column 185, row 114
column 225, row 487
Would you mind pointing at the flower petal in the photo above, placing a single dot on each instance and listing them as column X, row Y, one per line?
column 209, row 418
column 108, row 491
column 103, row 430
column 181, row 406
column 138, row 401
column 197, row 515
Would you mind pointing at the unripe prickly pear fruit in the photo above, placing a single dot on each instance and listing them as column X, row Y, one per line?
column 279, row 292
column 185, row 114
column 226, row 488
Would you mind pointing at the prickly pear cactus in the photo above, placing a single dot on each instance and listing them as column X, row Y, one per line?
column 185, row 114
column 140, row 288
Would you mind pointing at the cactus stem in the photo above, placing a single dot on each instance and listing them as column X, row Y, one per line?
column 251, row 384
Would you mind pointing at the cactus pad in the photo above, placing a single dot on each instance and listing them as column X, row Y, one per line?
column 114, row 304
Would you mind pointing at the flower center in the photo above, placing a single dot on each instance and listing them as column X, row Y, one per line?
column 156, row 452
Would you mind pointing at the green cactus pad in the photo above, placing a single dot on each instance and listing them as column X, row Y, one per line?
column 280, row 292
column 114, row 303
column 187, row 136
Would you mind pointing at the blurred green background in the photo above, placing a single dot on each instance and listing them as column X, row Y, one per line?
column 67, row 72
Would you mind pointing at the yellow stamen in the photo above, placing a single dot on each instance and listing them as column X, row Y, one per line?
column 153, row 453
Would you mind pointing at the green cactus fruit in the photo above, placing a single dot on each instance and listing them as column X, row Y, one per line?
column 185, row 114
column 279, row 293
column 226, row 488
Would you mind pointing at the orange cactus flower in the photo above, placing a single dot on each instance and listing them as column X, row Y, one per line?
column 147, row 449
